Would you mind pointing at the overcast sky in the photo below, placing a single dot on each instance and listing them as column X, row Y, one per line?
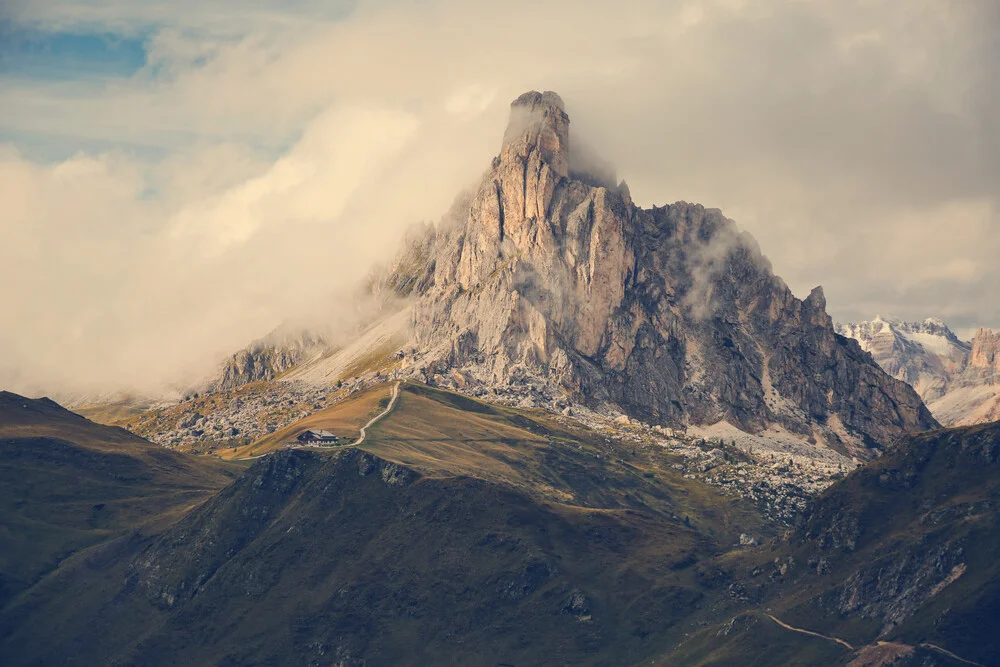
column 176, row 178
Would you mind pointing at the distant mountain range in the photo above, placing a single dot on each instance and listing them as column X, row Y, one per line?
column 958, row 380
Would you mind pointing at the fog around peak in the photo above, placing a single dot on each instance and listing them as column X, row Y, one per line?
column 254, row 165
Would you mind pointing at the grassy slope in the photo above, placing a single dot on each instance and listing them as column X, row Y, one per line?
column 67, row 483
column 753, row 640
column 444, row 433
column 892, row 531
column 471, row 554
column 461, row 532
column 115, row 413
column 344, row 419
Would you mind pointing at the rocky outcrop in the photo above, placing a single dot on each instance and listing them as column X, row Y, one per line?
column 412, row 269
column 905, row 546
column 893, row 591
column 985, row 354
column 549, row 273
column 270, row 356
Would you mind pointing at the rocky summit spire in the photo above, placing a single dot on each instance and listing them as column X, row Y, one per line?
column 548, row 275
column 538, row 122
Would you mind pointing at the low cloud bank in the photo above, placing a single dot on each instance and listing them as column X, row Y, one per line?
column 251, row 173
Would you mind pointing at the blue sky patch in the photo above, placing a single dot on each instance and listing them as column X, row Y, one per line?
column 39, row 54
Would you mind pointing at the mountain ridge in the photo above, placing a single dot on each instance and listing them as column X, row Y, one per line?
column 67, row 483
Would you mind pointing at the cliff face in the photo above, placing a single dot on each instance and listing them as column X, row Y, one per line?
column 547, row 273
column 270, row 356
column 985, row 355
column 974, row 393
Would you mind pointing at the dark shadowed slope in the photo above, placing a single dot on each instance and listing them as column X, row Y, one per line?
column 467, row 533
column 904, row 550
column 443, row 433
column 67, row 483
column 511, row 543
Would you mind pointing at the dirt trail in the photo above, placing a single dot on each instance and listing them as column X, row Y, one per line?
column 943, row 651
column 361, row 437
column 388, row 409
column 932, row 647
column 810, row 632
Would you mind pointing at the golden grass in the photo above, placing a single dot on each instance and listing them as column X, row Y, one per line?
column 110, row 414
column 442, row 441
column 344, row 419
column 444, row 434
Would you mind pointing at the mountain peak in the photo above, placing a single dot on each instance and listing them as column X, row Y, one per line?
column 538, row 122
column 816, row 298
column 534, row 99
column 549, row 276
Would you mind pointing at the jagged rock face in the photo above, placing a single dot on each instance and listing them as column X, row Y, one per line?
column 671, row 313
column 268, row 357
column 408, row 273
column 985, row 354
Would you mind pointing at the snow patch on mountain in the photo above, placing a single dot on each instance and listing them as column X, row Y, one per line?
column 958, row 380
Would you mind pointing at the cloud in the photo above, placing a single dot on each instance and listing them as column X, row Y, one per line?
column 260, row 160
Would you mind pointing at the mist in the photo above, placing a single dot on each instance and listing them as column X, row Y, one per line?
column 252, row 169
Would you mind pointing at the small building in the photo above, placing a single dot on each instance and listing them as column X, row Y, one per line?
column 317, row 437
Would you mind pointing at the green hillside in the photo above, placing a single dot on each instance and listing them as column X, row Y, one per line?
column 462, row 534
column 467, row 533
column 67, row 483
column 904, row 550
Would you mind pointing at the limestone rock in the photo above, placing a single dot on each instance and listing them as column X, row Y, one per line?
column 270, row 356
column 671, row 313
column 985, row 354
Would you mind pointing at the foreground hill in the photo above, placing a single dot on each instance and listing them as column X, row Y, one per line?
column 467, row 533
column 67, row 483
column 461, row 533
column 903, row 551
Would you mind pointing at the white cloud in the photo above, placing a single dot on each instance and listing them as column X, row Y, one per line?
column 856, row 140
